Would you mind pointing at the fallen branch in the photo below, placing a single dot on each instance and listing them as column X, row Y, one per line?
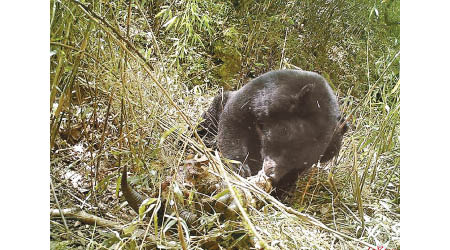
column 77, row 214
column 86, row 218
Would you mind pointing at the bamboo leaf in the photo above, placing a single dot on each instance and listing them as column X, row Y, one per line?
column 169, row 23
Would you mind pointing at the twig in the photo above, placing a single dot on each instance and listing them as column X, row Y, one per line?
column 284, row 47
column 307, row 185
column 57, row 204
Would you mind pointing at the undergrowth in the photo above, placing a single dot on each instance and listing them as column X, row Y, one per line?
column 130, row 81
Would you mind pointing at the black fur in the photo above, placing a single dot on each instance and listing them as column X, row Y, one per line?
column 208, row 129
column 282, row 121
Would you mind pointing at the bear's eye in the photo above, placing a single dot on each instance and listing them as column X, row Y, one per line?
column 260, row 125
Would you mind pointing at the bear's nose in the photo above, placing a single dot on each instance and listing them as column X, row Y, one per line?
column 269, row 166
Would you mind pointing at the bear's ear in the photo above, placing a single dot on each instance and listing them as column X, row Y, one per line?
column 304, row 91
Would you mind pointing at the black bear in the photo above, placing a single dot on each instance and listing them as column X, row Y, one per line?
column 282, row 121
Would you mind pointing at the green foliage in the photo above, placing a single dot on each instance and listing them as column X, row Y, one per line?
column 231, row 59
column 187, row 25
column 62, row 245
column 348, row 41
